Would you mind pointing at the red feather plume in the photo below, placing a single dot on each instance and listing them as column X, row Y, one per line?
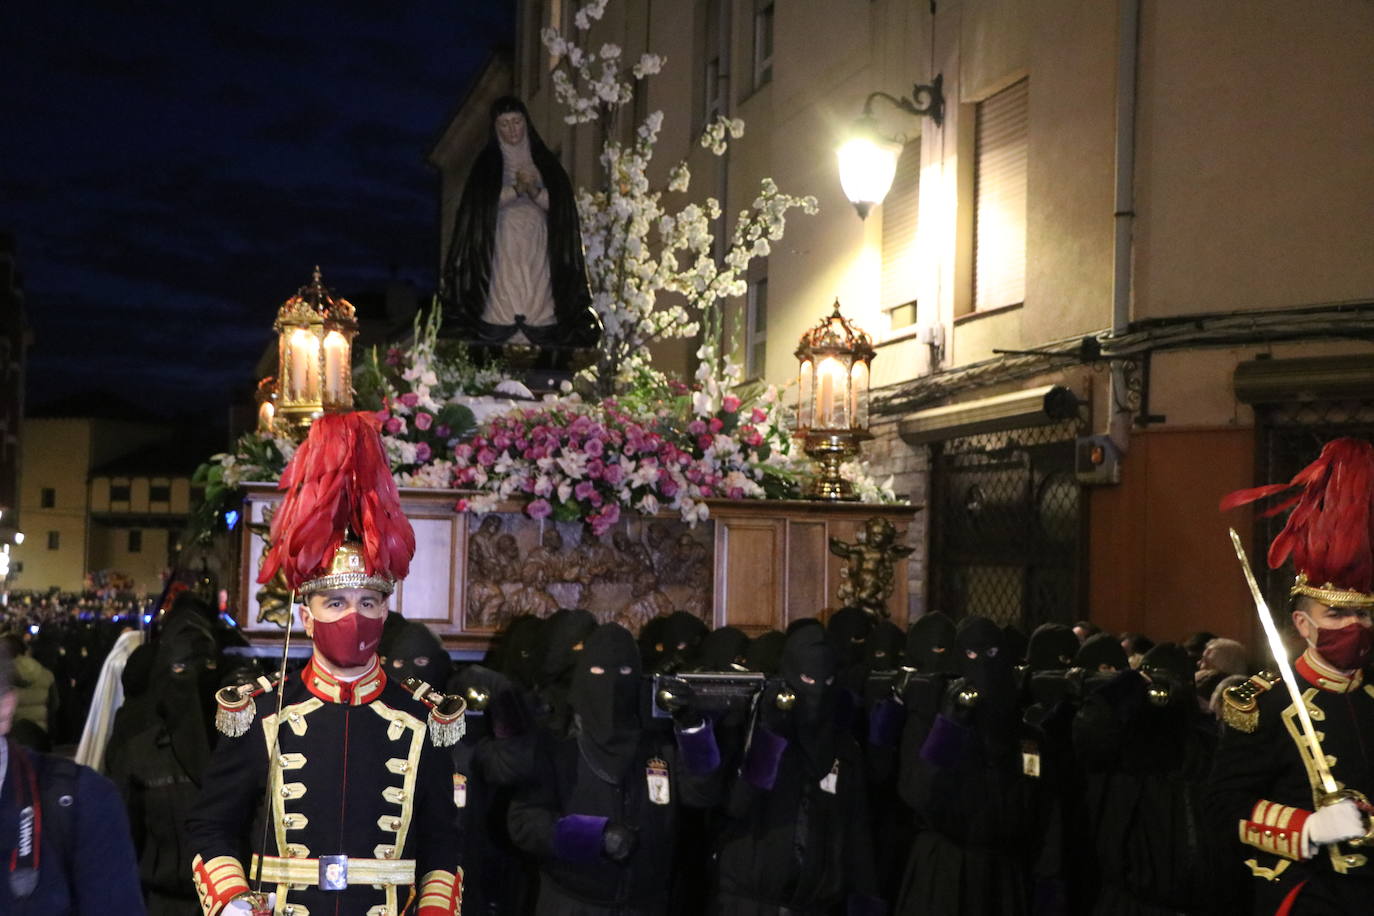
column 339, row 481
column 1330, row 532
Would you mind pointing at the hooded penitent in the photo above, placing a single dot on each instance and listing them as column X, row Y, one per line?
column 808, row 667
column 883, row 649
column 680, row 636
column 988, row 668
column 725, row 649
column 930, row 645
column 848, row 630
column 564, row 633
column 522, row 650
column 1052, row 648
column 468, row 268
column 765, row 652
column 1101, row 652
column 416, row 652
column 605, row 701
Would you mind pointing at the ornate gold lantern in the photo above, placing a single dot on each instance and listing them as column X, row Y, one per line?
column 832, row 399
column 315, row 335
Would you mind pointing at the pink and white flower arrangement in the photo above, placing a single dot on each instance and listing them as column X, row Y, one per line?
column 570, row 460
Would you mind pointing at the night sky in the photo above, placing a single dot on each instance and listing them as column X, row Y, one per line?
column 172, row 171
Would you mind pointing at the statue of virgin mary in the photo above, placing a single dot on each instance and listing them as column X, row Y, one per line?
column 514, row 271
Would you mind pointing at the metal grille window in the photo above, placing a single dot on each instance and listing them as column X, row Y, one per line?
column 899, row 239
column 1008, row 538
column 999, row 243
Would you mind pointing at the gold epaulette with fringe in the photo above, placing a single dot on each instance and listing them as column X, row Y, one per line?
column 1240, row 703
column 234, row 704
column 447, row 722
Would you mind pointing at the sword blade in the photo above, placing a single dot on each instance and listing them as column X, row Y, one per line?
column 1290, row 681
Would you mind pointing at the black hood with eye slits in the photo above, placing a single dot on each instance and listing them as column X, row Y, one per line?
column 931, row 647
column 605, row 699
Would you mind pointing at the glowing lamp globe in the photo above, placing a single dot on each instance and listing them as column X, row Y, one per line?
column 868, row 163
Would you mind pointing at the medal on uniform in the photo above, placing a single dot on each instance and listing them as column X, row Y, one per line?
column 831, row 780
column 460, row 790
column 333, row 873
column 656, row 778
column 1030, row 759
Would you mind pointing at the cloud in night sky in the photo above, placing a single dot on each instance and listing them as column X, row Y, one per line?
column 172, row 172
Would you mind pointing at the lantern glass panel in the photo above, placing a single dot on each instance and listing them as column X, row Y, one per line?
column 859, row 385
column 804, row 406
column 832, row 394
column 336, row 366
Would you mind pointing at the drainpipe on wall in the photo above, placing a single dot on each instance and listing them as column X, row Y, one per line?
column 1128, row 49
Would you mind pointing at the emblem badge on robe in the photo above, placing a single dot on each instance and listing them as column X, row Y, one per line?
column 460, row 790
column 831, row 780
column 656, row 778
column 1030, row 759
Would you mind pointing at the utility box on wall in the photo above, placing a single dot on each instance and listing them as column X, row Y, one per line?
column 1097, row 461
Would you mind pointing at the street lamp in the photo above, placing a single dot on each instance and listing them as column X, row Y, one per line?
column 835, row 360
column 315, row 335
column 868, row 159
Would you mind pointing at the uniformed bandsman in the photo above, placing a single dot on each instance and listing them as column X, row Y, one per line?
column 349, row 767
column 1300, row 845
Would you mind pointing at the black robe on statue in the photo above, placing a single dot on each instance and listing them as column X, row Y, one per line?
column 468, row 263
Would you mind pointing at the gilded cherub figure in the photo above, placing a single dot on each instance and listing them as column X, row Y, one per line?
column 868, row 575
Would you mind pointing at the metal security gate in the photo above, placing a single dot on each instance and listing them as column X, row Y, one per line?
column 1008, row 525
column 1290, row 437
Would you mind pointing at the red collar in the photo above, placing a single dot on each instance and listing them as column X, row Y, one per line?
column 1313, row 669
column 350, row 693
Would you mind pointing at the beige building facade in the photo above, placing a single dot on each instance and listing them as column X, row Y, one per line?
column 1160, row 207
column 103, row 501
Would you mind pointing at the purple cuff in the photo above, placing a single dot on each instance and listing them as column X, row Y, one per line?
column 944, row 745
column 885, row 723
column 864, row 905
column 761, row 763
column 577, row 837
column 698, row 749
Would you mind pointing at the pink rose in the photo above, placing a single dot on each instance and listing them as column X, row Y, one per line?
column 486, row 457
column 410, row 399
column 613, row 474
column 736, row 493
column 540, row 508
column 729, row 403
column 462, row 451
column 596, row 468
column 758, row 415
column 584, row 490
column 704, row 442
column 750, row 436
column 717, row 424
column 594, row 448
column 424, row 420
column 696, row 427
column 423, row 453
column 395, row 426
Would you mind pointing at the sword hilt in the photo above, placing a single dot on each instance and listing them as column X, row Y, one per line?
column 1366, row 811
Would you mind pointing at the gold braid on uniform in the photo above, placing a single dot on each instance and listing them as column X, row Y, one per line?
column 1240, row 702
column 447, row 712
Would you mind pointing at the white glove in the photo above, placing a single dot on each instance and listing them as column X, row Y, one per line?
column 1332, row 824
column 243, row 906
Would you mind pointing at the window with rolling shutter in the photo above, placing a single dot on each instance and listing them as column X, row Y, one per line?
column 899, row 238
column 999, row 243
